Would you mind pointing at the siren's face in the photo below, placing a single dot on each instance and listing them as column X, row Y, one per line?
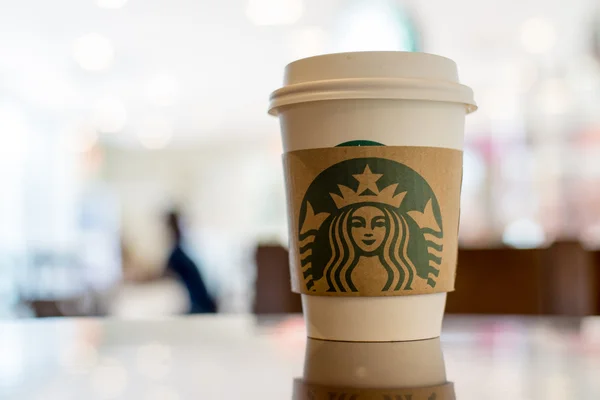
column 368, row 227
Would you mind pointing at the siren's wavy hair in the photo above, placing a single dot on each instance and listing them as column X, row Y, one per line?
column 345, row 253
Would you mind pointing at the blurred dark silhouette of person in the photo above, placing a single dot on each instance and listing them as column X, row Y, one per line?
column 185, row 269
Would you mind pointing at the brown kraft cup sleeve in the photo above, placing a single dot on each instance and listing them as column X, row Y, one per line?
column 307, row 391
column 374, row 220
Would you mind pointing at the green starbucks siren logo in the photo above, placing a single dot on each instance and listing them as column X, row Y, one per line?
column 364, row 214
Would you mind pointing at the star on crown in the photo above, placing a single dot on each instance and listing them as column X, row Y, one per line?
column 368, row 192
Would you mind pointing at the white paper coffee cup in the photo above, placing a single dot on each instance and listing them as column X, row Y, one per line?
column 390, row 98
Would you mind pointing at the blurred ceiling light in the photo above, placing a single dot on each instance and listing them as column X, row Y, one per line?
column 114, row 4
column 93, row 52
column 155, row 132
column 524, row 234
column 274, row 12
column 538, row 35
column 375, row 25
column 162, row 90
column 307, row 41
column 110, row 115
column 80, row 136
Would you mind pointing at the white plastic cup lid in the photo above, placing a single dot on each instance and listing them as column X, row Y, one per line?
column 372, row 75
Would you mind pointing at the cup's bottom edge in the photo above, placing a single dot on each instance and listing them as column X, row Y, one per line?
column 372, row 341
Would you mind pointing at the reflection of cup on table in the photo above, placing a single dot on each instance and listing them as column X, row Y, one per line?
column 373, row 162
column 373, row 370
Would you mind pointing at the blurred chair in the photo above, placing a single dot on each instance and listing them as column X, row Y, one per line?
column 569, row 280
column 497, row 281
column 559, row 280
column 272, row 288
column 55, row 308
column 596, row 272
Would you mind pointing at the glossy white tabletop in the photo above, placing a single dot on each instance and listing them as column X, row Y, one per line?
column 230, row 357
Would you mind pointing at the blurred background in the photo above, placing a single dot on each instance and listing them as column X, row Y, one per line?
column 115, row 113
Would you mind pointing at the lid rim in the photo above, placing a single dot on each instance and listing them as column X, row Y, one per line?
column 373, row 88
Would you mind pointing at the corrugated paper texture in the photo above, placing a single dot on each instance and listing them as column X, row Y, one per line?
column 307, row 391
column 373, row 221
